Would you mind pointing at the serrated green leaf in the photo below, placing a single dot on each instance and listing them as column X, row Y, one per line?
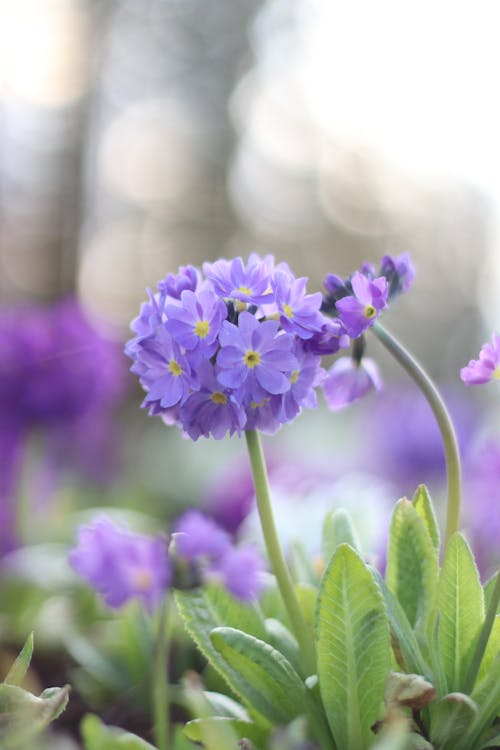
column 492, row 649
column 17, row 672
column 412, row 564
column 265, row 678
column 403, row 639
column 487, row 698
column 460, row 603
column 337, row 530
column 451, row 717
column 423, row 505
column 98, row 736
column 203, row 610
column 197, row 729
column 353, row 647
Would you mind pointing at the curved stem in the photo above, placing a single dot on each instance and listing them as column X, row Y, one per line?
column 160, row 682
column 275, row 553
column 453, row 470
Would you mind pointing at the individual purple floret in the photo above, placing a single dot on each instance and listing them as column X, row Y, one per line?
column 348, row 381
column 187, row 278
column 250, row 283
column 196, row 322
column 299, row 312
column 121, row 565
column 359, row 311
column 399, row 273
column 303, row 381
column 329, row 340
column 213, row 409
column 255, row 354
column 487, row 367
column 163, row 370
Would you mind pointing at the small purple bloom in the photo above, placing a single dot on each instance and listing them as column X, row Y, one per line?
column 163, row 370
column 487, row 367
column 399, row 273
column 360, row 310
column 195, row 323
column 336, row 286
column 303, row 381
column 255, row 354
column 241, row 570
column 299, row 312
column 347, row 381
column 188, row 277
column 329, row 339
column 250, row 284
column 213, row 410
column 121, row 565
column 262, row 414
column 197, row 536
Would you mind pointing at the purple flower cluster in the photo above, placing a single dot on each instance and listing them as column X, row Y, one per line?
column 121, row 565
column 60, row 378
column 239, row 346
column 487, row 367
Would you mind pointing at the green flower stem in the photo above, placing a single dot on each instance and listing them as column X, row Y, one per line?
column 483, row 637
column 275, row 553
column 453, row 471
column 160, row 682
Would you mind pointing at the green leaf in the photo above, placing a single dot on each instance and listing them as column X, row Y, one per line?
column 488, row 592
column 197, row 729
column 487, row 697
column 265, row 678
column 283, row 641
column 223, row 705
column 308, row 597
column 423, row 505
column 337, row 530
column 493, row 741
column 203, row 610
column 460, row 603
column 492, row 649
column 412, row 564
column 23, row 715
column 451, row 716
column 17, row 672
column 98, row 736
column 353, row 646
column 403, row 639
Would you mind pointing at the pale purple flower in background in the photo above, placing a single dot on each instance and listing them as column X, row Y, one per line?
column 241, row 570
column 198, row 536
column 121, row 565
column 481, row 514
column 348, row 381
column 487, row 367
column 360, row 310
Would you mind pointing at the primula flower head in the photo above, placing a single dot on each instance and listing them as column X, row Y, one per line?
column 349, row 380
column 487, row 367
column 121, row 565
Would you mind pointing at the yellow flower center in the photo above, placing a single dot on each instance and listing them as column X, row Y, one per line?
column 175, row 368
column 258, row 404
column 202, row 328
column 294, row 376
column 143, row 580
column 245, row 290
column 496, row 373
column 369, row 312
column 218, row 398
column 252, row 359
column 288, row 311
